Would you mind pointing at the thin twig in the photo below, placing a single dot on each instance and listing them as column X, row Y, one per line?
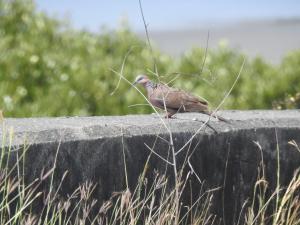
column 224, row 184
column 122, row 68
column 158, row 155
column 205, row 54
column 193, row 171
column 148, row 39
column 124, row 159
column 230, row 90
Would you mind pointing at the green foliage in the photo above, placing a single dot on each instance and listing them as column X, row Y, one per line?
column 49, row 69
column 259, row 87
column 46, row 68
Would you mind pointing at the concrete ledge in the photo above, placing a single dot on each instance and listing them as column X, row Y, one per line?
column 91, row 148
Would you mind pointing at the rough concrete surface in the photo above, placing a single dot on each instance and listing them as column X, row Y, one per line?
column 224, row 154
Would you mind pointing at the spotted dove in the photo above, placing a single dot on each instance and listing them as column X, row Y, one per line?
column 171, row 99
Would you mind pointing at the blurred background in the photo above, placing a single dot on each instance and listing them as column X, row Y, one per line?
column 265, row 28
column 57, row 57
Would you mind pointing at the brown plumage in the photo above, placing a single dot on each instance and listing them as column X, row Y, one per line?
column 171, row 99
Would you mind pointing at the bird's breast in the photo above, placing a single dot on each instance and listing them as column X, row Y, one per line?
column 156, row 102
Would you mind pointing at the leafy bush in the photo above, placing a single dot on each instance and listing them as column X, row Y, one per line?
column 46, row 68
column 260, row 85
column 49, row 69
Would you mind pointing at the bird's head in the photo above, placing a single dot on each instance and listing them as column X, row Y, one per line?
column 141, row 79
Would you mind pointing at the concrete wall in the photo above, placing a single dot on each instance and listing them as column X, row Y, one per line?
column 224, row 154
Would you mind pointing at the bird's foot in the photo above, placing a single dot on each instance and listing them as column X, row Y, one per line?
column 170, row 116
column 167, row 116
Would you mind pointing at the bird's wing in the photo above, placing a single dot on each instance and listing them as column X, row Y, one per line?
column 176, row 98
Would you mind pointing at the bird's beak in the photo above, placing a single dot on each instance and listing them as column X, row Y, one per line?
column 133, row 84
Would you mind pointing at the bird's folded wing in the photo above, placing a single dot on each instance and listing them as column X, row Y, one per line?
column 174, row 98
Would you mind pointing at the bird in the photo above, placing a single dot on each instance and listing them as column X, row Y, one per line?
column 173, row 100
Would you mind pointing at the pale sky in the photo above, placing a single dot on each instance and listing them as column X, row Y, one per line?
column 162, row 15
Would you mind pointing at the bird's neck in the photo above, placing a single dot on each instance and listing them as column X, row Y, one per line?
column 150, row 85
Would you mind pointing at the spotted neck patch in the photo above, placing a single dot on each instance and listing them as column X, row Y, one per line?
column 150, row 84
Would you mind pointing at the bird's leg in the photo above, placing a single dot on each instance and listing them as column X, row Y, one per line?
column 169, row 115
